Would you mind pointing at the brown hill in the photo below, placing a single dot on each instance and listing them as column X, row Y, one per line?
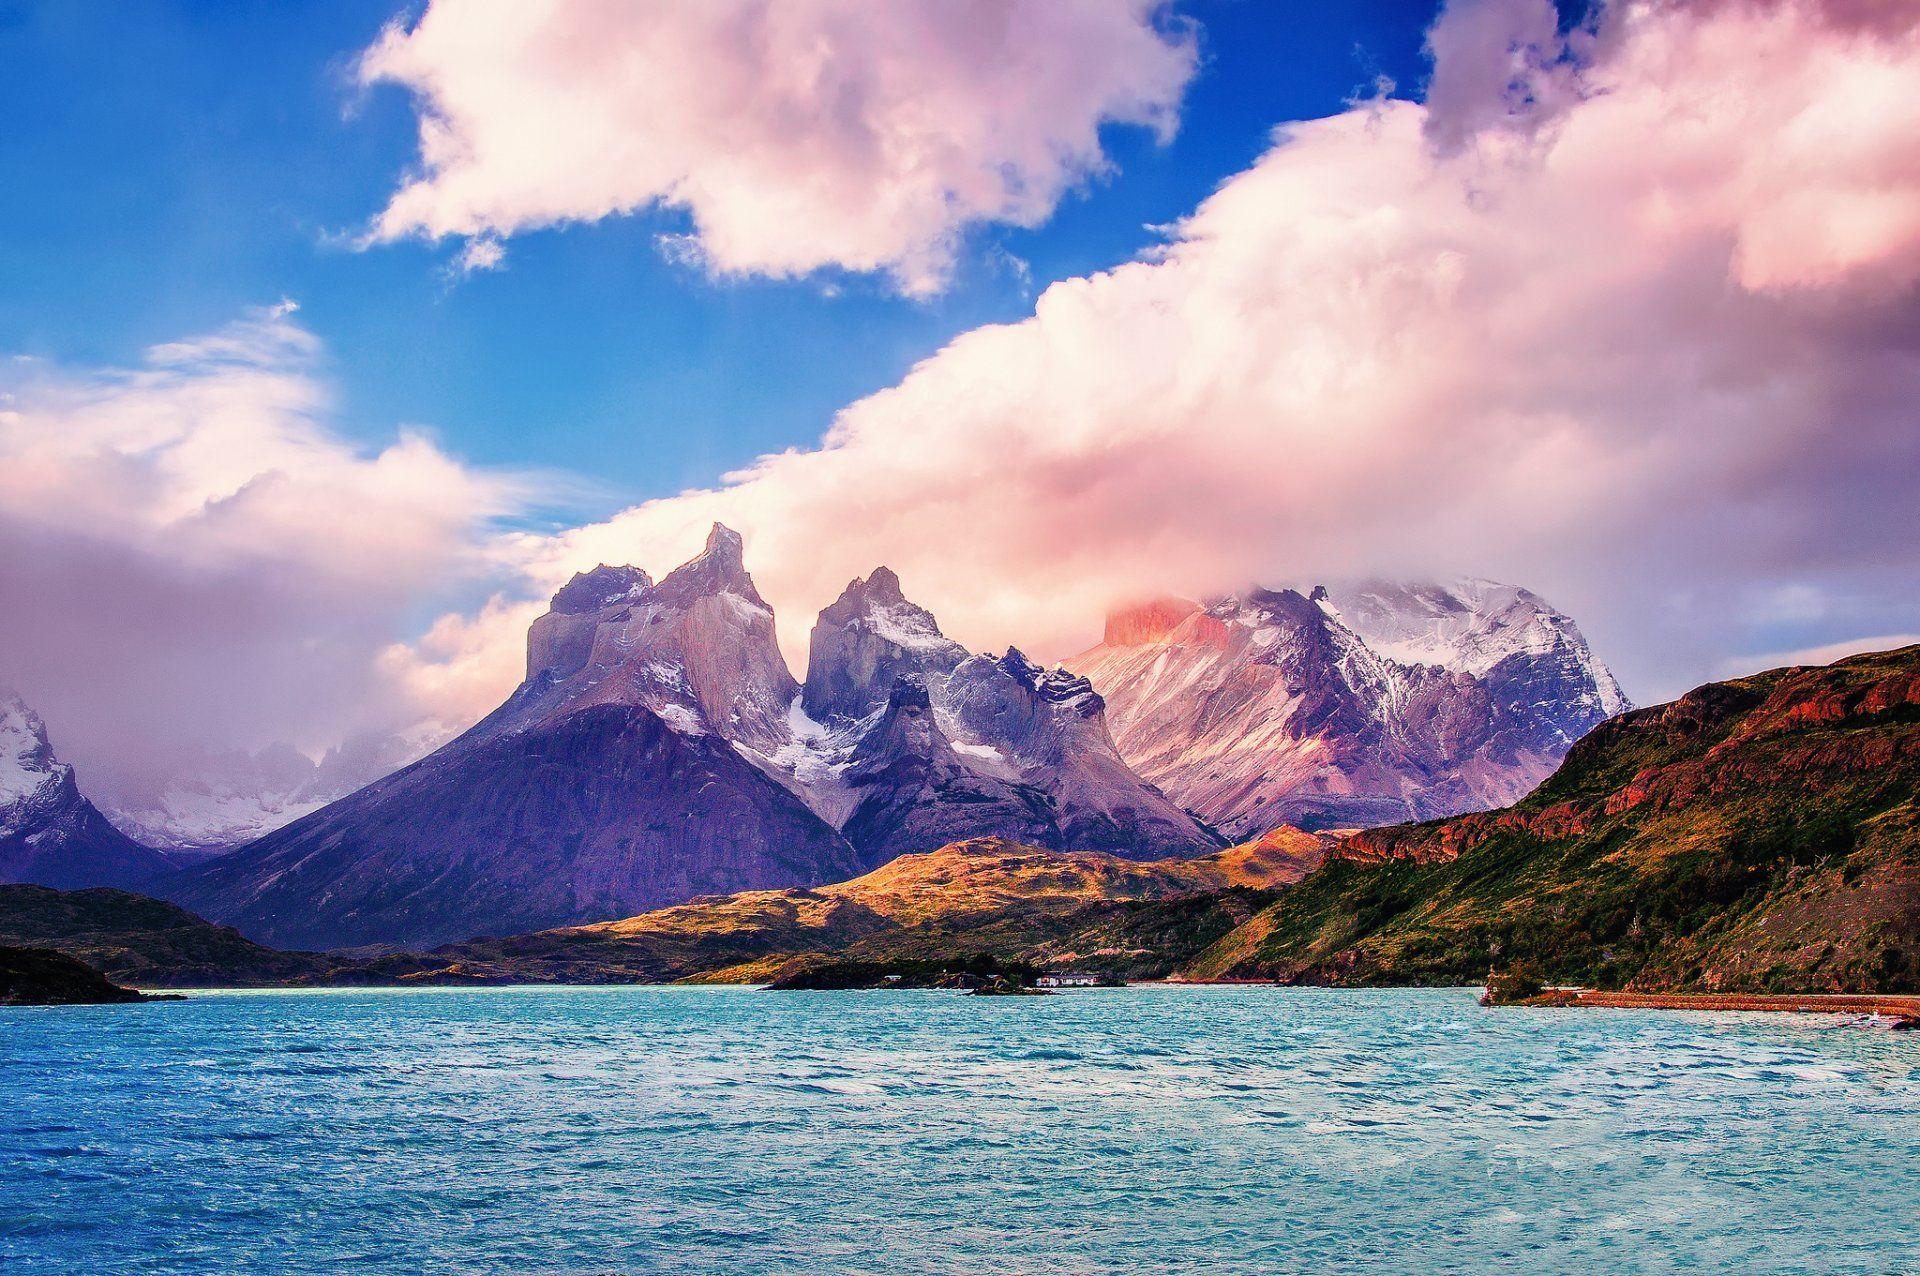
column 986, row 895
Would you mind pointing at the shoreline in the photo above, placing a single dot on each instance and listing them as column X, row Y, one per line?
column 1895, row 1005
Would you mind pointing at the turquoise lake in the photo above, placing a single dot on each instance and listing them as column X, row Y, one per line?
column 1150, row 1130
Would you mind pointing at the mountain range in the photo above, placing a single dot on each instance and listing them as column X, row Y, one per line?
column 659, row 749
column 1759, row 835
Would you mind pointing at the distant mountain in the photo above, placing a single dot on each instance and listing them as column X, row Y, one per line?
column 49, row 833
column 1361, row 706
column 205, row 802
column 659, row 749
column 1759, row 835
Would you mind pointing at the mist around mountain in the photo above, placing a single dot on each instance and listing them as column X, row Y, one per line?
column 197, row 803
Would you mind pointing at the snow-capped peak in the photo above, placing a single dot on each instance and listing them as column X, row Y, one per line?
column 29, row 771
column 1468, row 625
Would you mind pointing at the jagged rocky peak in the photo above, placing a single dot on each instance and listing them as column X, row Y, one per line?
column 29, row 772
column 604, row 586
column 560, row 642
column 699, row 648
column 1348, row 704
column 1024, row 709
column 49, row 834
column 1474, row 625
column 719, row 568
column 1138, row 624
column 865, row 641
column 1057, row 685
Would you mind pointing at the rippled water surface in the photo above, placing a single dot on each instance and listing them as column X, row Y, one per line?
column 1148, row 1130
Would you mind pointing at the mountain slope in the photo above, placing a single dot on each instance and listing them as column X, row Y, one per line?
column 600, row 812
column 49, row 833
column 1756, row 835
column 1370, row 706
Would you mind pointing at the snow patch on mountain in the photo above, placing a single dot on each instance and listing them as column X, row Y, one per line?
column 29, row 772
column 1467, row 624
column 1362, row 704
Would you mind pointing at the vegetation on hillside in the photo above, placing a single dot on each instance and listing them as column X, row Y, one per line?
column 1758, row 835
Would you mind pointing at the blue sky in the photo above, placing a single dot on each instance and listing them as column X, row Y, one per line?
column 187, row 161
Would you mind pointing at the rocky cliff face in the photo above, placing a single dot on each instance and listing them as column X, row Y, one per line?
column 699, row 648
column 1363, row 706
column 906, row 743
column 865, row 642
column 49, row 834
column 1759, row 835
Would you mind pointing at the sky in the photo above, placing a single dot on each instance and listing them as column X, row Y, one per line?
column 336, row 335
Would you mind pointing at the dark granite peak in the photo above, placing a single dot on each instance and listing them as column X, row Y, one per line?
column 604, row 586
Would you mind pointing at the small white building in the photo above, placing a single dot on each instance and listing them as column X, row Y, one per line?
column 1067, row 979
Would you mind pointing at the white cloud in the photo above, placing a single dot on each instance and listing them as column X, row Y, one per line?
column 1646, row 342
column 796, row 135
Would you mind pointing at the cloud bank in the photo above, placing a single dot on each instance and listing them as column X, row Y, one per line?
column 1627, row 316
column 795, row 135
column 189, row 553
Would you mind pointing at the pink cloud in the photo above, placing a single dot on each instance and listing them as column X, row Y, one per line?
column 190, row 555
column 796, row 135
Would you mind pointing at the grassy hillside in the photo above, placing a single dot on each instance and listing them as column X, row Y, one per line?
column 138, row 940
column 1755, row 835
